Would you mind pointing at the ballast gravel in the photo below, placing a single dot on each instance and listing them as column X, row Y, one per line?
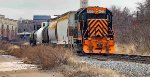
column 130, row 68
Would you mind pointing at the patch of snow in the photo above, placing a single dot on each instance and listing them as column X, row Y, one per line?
column 11, row 66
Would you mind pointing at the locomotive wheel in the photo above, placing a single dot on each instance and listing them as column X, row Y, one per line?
column 80, row 53
column 78, row 49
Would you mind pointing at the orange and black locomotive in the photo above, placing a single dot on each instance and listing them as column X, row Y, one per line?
column 94, row 31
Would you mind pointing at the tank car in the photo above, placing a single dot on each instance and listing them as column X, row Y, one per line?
column 41, row 35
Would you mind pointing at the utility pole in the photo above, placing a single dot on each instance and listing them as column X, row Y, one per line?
column 2, row 28
column 137, row 15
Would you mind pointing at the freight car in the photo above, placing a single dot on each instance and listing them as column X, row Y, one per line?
column 41, row 35
column 88, row 30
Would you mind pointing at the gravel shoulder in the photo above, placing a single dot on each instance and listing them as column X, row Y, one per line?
column 130, row 68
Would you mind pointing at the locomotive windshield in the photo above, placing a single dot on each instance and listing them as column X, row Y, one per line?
column 97, row 16
column 100, row 16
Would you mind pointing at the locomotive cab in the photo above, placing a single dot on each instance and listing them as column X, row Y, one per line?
column 95, row 31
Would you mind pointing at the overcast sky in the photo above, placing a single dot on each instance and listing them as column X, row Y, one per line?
column 27, row 8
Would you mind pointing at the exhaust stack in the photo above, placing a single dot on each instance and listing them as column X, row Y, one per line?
column 83, row 3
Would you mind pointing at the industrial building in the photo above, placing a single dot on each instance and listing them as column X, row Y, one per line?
column 32, row 25
column 38, row 19
column 8, row 28
column 41, row 17
column 25, row 27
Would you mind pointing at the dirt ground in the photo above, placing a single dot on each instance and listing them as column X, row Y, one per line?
column 29, row 73
column 6, row 70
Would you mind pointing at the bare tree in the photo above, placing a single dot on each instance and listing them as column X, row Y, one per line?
column 141, row 10
column 122, row 20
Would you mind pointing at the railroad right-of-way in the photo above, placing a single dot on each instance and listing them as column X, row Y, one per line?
column 121, row 57
column 131, row 67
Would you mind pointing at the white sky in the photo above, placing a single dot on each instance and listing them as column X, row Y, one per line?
column 27, row 8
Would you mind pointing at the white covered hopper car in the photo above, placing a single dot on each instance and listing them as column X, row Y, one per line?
column 58, row 30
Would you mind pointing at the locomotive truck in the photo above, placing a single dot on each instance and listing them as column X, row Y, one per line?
column 88, row 30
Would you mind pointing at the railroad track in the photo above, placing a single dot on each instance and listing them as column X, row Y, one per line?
column 113, row 57
column 120, row 57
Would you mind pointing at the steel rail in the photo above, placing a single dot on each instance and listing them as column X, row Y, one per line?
column 120, row 57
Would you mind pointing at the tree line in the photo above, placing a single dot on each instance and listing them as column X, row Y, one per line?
column 133, row 27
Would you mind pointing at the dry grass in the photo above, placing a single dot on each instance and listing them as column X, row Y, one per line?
column 45, row 56
column 4, row 45
column 61, row 60
column 125, row 49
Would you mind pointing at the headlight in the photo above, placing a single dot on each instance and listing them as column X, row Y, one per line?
column 108, row 38
column 90, row 11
